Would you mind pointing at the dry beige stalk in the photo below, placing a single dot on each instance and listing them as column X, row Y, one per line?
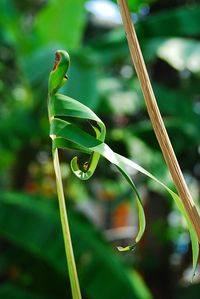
column 156, row 118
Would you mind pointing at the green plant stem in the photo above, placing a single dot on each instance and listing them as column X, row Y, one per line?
column 76, row 294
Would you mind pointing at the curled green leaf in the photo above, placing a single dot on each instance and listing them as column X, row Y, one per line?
column 67, row 134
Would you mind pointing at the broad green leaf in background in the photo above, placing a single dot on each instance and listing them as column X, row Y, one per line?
column 34, row 226
column 61, row 22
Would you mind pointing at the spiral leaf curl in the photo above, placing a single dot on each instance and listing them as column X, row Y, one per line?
column 67, row 135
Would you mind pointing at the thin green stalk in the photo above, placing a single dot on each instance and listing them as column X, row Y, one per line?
column 76, row 294
column 56, row 79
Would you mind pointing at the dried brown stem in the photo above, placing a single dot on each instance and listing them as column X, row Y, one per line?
column 156, row 118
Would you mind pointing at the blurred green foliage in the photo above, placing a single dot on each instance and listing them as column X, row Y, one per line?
column 32, row 263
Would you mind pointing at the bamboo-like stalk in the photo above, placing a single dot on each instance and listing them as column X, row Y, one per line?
column 156, row 118
column 76, row 294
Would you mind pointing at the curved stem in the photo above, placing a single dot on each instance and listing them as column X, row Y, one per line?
column 76, row 294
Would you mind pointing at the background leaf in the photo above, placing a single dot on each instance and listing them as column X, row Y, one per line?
column 66, row 22
column 42, row 237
